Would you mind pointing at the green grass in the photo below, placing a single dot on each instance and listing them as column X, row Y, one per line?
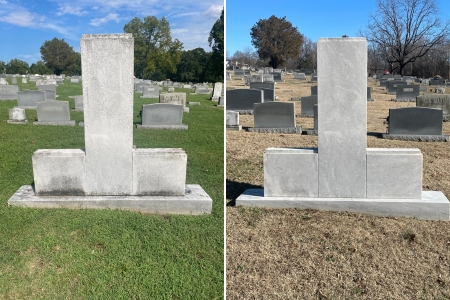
column 111, row 254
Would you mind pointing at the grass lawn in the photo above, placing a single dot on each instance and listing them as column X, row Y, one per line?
column 111, row 254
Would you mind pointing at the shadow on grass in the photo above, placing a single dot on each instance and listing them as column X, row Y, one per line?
column 235, row 189
column 375, row 134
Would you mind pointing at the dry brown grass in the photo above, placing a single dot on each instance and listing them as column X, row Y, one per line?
column 306, row 254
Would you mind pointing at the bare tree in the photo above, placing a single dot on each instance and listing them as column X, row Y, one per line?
column 308, row 55
column 404, row 30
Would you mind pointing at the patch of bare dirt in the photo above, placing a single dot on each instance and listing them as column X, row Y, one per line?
column 305, row 254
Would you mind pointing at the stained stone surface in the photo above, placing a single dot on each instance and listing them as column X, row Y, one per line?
column 108, row 141
column 29, row 99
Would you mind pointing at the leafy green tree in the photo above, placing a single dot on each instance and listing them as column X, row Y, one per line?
column 39, row 68
column 58, row 56
column 216, row 42
column 192, row 66
column 277, row 40
column 2, row 66
column 156, row 55
column 17, row 66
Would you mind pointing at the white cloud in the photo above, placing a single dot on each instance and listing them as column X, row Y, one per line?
column 22, row 17
column 31, row 57
column 66, row 8
column 110, row 17
column 214, row 11
column 186, row 14
column 180, row 30
column 3, row 2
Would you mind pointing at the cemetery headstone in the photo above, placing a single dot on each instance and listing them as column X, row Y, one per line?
column 29, row 99
column 3, row 81
column 415, row 124
column 275, row 117
column 300, row 76
column 369, row 94
column 217, row 91
column 308, row 102
column 435, row 101
column 162, row 116
column 344, row 175
column 407, row 92
column 17, row 116
column 78, row 103
column 8, row 92
column 392, row 86
column 242, row 100
column 110, row 173
column 53, row 113
column 232, row 120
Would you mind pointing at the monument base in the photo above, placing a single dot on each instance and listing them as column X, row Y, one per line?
column 420, row 138
column 17, row 122
column 312, row 132
column 287, row 130
column 63, row 123
column 234, row 127
column 182, row 126
column 432, row 206
column 195, row 202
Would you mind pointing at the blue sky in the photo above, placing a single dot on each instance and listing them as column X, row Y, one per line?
column 26, row 24
column 313, row 18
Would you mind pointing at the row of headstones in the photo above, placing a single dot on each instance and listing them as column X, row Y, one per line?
column 411, row 79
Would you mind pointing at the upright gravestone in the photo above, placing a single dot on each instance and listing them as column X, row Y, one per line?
column 436, row 101
column 232, row 120
column 17, row 116
column 267, row 88
column 78, row 103
column 217, row 91
column 407, row 92
column 53, row 113
column 162, row 116
column 242, row 100
column 314, row 90
column 344, row 174
column 275, row 117
column 415, row 124
column 8, row 92
column 14, row 80
column 307, row 109
column 300, row 76
column 392, row 86
column 3, row 81
column 369, row 94
column 150, row 92
column 29, row 99
column 109, row 173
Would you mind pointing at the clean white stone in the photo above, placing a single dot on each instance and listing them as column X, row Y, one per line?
column 394, row 173
column 59, row 172
column 232, row 118
column 432, row 205
column 159, row 171
column 290, row 172
column 342, row 109
column 108, row 112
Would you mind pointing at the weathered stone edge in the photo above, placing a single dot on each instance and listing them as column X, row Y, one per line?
column 292, row 130
column 195, row 202
column 420, row 138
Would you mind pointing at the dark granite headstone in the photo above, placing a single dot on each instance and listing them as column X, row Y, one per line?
column 369, row 94
column 243, row 100
column 415, row 121
column 308, row 105
column 407, row 92
column 438, row 82
column 392, row 86
column 314, row 90
column 274, row 115
column 277, row 76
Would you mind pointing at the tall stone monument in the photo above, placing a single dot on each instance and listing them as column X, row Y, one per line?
column 109, row 173
column 342, row 174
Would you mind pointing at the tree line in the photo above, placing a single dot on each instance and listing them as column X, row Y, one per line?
column 406, row 37
column 156, row 55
